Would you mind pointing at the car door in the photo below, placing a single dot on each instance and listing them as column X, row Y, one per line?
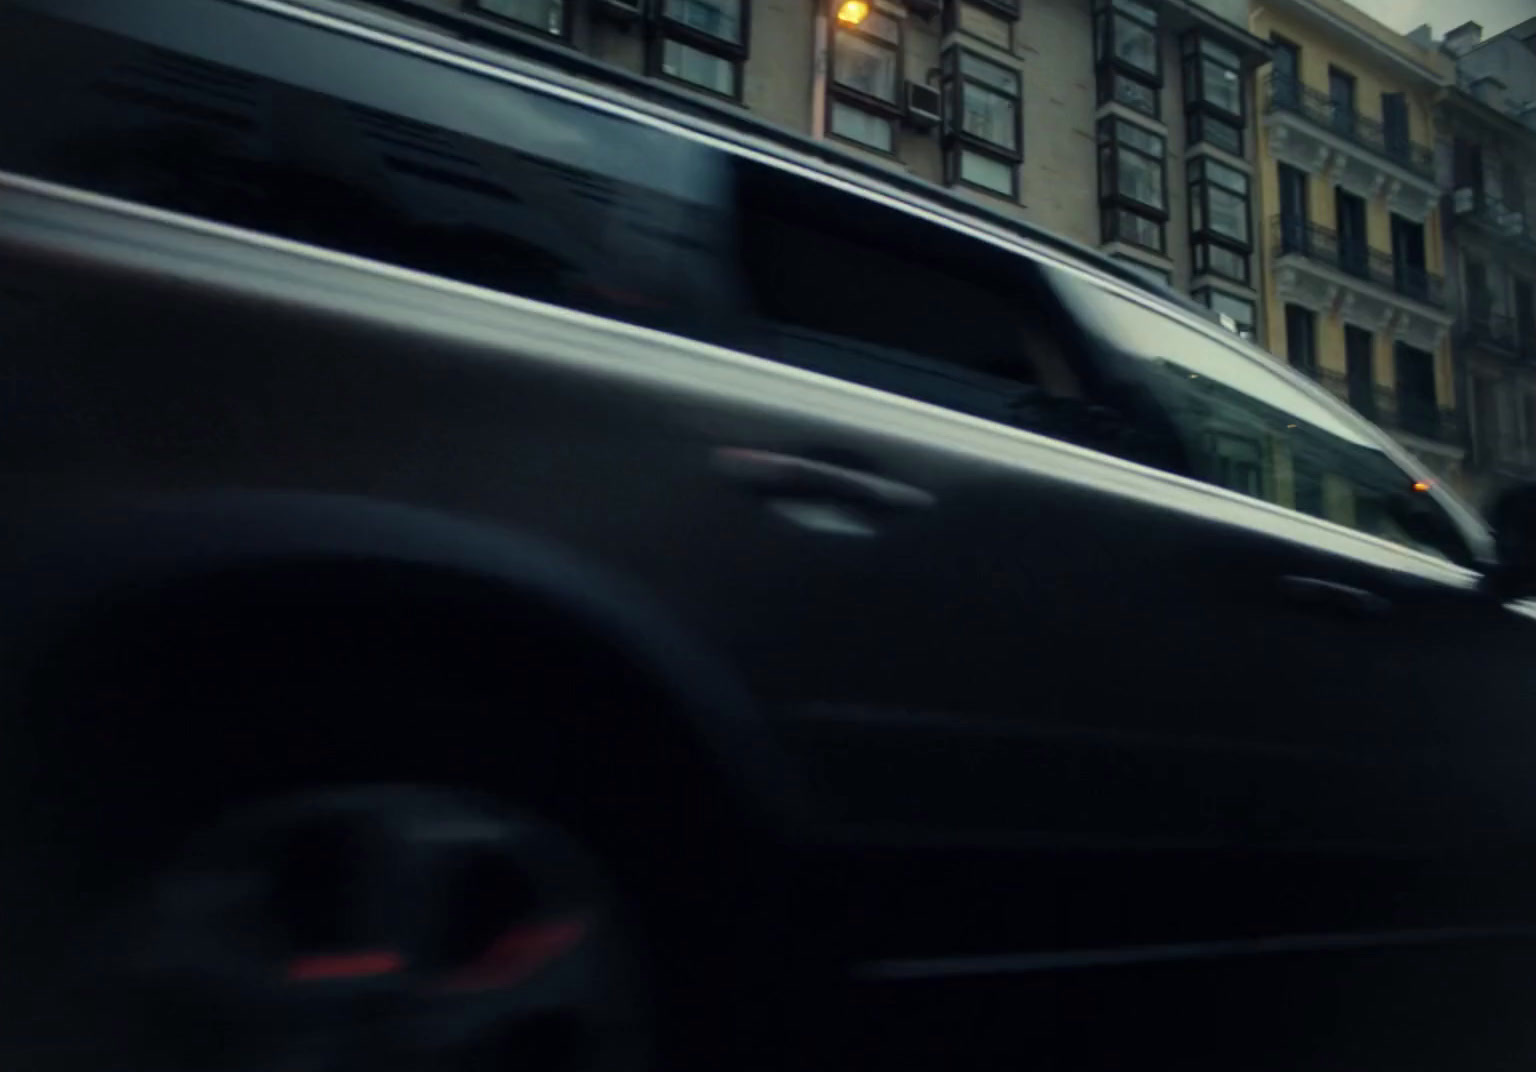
column 1368, row 683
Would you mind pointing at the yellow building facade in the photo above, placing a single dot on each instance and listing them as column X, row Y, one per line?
column 1352, row 259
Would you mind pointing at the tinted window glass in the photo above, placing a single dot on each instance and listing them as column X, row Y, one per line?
column 1244, row 427
column 872, row 295
column 380, row 154
column 853, row 289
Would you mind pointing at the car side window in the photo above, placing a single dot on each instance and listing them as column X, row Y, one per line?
column 385, row 155
column 1245, row 428
column 852, row 288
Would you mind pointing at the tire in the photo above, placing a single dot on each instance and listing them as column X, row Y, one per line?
column 378, row 927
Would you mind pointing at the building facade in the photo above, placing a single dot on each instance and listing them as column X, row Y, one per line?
column 1128, row 125
column 1353, row 259
column 1487, row 158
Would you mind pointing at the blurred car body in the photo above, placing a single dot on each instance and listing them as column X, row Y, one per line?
column 1075, row 685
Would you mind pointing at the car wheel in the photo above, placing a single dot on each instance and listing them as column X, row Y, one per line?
column 381, row 929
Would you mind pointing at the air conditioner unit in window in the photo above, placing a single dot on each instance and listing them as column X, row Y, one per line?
column 923, row 103
column 1463, row 200
column 1511, row 223
column 925, row 8
column 620, row 10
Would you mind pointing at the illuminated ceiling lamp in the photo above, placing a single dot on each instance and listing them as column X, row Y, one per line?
column 852, row 12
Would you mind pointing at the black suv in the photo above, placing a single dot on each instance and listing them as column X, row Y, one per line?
column 500, row 574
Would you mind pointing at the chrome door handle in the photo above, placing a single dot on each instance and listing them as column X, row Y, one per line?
column 790, row 476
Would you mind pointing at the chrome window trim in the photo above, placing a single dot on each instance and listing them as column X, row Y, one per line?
column 63, row 220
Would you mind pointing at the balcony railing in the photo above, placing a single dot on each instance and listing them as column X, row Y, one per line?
column 1287, row 93
column 1505, row 221
column 1325, row 246
column 1422, row 417
column 1494, row 331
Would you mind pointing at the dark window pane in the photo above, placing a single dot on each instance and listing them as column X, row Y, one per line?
column 1135, row 45
column 1136, row 95
column 1301, row 338
column 850, row 289
column 1223, row 87
column 717, row 18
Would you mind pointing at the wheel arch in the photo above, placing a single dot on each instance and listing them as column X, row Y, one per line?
column 83, row 578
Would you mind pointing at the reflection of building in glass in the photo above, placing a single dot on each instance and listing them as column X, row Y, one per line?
column 951, row 92
column 1247, row 446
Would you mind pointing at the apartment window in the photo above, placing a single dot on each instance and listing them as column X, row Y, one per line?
column 866, row 81
column 1126, row 54
column 1485, row 417
column 1525, row 315
column 1132, row 171
column 1240, row 310
column 1512, row 188
column 1211, row 258
column 1467, row 165
column 545, row 16
column 981, row 122
column 1394, row 125
column 697, row 67
column 1219, row 216
column 1417, row 408
column 1341, row 95
column 1119, row 88
column 1285, row 79
column 1359, row 346
column 984, row 20
column 1146, row 271
column 703, row 43
column 1213, row 94
column 866, row 128
column 1410, row 270
column 1301, row 339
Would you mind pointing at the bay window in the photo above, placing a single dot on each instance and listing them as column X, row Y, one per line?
column 986, row 20
column 1214, row 103
column 866, row 81
column 1220, row 223
column 982, row 131
column 702, row 43
column 1126, row 54
column 1132, row 190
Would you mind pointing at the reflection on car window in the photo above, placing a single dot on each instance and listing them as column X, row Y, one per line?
column 850, row 288
column 1244, row 427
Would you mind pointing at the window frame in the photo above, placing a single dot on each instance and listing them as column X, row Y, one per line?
column 957, row 140
column 851, row 97
column 1110, row 76
column 1195, row 53
column 1204, row 238
column 1107, row 18
column 1004, row 10
column 477, row 7
column 1199, row 110
column 1291, row 313
column 1206, row 297
column 1111, row 197
column 857, row 96
column 670, row 28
